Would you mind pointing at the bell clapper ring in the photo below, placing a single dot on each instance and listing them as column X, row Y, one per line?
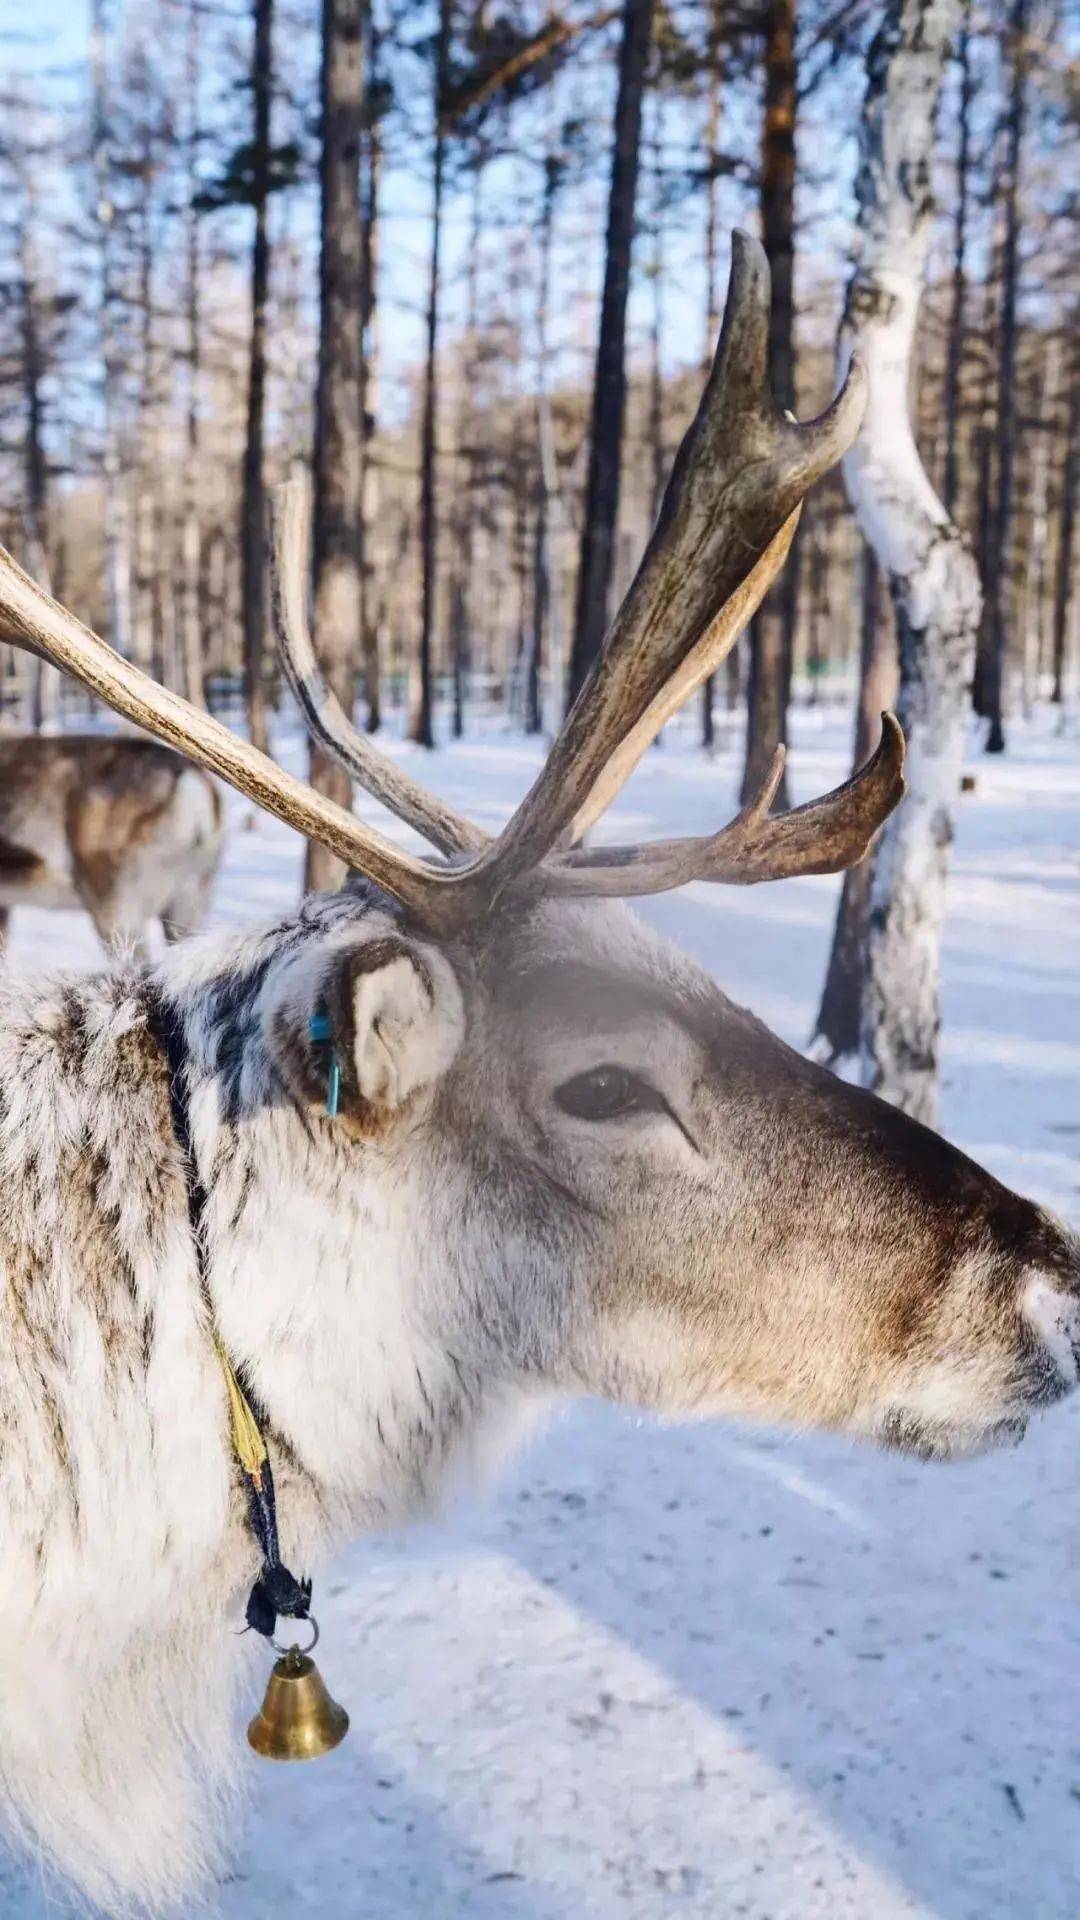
column 310, row 1621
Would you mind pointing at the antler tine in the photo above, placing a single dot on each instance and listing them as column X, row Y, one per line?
column 37, row 624
column 323, row 713
column 825, row 836
column 740, row 473
column 702, row 660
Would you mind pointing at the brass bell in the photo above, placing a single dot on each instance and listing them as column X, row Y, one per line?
column 297, row 1720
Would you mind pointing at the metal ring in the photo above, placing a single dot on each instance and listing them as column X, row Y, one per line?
column 311, row 1645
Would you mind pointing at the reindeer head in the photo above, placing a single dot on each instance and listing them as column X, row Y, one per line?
column 639, row 1190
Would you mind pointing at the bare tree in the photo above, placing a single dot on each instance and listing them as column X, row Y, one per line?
column 145, row 161
column 421, row 725
column 955, row 349
column 932, row 576
column 546, row 626
column 997, row 570
column 369, row 372
column 772, row 633
column 117, row 519
column 190, row 649
column 838, row 1029
column 338, row 501
column 714, row 61
column 253, row 511
column 44, row 686
column 1066, row 530
column 609, row 384
column 464, row 515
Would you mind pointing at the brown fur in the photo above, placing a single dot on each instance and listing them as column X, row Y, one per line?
column 78, row 811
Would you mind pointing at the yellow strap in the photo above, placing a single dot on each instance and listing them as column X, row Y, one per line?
column 247, row 1439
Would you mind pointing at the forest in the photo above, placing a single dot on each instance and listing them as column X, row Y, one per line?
column 463, row 265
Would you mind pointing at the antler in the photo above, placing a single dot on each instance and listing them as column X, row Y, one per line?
column 740, row 473
column 702, row 660
column 322, row 710
column 36, row 623
column 723, row 532
column 327, row 720
column 825, row 836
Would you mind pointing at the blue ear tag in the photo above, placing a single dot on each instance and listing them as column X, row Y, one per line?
column 319, row 1028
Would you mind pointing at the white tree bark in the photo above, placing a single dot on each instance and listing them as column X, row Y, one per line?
column 931, row 573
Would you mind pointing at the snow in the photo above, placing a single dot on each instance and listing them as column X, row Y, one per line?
column 708, row 1672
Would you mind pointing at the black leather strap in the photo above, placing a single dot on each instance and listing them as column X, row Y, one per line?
column 276, row 1591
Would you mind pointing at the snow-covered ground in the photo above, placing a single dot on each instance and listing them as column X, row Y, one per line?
column 711, row 1672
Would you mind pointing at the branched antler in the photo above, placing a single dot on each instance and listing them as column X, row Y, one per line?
column 702, row 660
column 323, row 713
column 740, row 472
column 722, row 535
column 825, row 836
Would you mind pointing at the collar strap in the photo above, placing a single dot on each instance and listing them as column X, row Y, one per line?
column 276, row 1591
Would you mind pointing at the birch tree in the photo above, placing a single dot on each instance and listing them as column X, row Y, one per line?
column 932, row 576
column 838, row 1029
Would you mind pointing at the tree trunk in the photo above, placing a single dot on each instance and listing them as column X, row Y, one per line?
column 253, row 508
column 985, row 448
column 464, row 518
column 188, row 666
column 1066, row 521
column 369, row 395
column 609, row 383
column 146, row 461
column 657, row 456
column 117, row 519
column 44, row 680
column 772, row 631
column 421, row 729
column 1043, row 381
column 839, row 1021
column 955, row 348
column 998, row 595
column 932, row 576
column 337, row 541
column 546, row 483
column 714, row 60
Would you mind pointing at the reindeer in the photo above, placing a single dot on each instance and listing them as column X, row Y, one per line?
column 120, row 826
column 561, row 1162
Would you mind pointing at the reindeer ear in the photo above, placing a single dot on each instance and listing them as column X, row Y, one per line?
column 396, row 1021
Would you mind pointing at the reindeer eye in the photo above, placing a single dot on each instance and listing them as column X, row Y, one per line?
column 603, row 1093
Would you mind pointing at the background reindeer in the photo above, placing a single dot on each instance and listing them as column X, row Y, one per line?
column 563, row 1163
column 122, row 827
